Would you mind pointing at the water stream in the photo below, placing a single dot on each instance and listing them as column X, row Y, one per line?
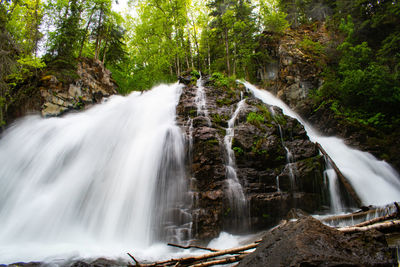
column 235, row 194
column 375, row 181
column 201, row 101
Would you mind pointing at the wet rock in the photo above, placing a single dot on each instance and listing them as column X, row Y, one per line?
column 185, row 80
column 261, row 161
column 25, row 264
column 100, row 262
column 51, row 110
column 307, row 242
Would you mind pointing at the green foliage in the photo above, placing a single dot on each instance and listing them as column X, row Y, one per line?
column 256, row 148
column 273, row 19
column 347, row 26
column 310, row 47
column 266, row 113
column 27, row 67
column 213, row 142
column 280, row 119
column 219, row 119
column 238, row 151
column 195, row 73
column 255, row 118
column 220, row 80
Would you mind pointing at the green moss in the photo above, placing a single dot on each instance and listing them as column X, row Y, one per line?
column 255, row 119
column 220, row 80
column 213, row 142
column 224, row 101
column 193, row 113
column 256, row 148
column 280, row 119
column 195, row 74
column 280, row 158
column 221, row 131
column 218, row 118
column 238, row 151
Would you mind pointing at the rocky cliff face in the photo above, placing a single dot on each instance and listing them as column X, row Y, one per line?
column 296, row 62
column 262, row 138
column 294, row 69
column 51, row 95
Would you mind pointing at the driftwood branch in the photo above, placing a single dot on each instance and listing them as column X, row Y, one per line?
column 220, row 261
column 363, row 214
column 193, row 246
column 133, row 258
column 217, row 254
column 341, row 177
column 202, row 259
column 377, row 220
column 384, row 227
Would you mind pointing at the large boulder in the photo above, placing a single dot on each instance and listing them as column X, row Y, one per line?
column 307, row 242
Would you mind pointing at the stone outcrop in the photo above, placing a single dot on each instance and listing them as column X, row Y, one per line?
column 294, row 69
column 307, row 242
column 261, row 161
column 296, row 62
column 52, row 95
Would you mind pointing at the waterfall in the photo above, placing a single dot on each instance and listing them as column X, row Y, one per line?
column 375, row 182
column 289, row 156
column 235, row 194
column 201, row 101
column 111, row 178
column 334, row 190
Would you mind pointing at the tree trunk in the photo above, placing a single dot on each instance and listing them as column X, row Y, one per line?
column 209, row 54
column 98, row 37
column 104, row 52
column 227, row 52
column 36, row 29
column 85, row 34
column 190, row 48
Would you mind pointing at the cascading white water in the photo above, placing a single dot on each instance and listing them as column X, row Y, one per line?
column 104, row 181
column 289, row 157
column 235, row 194
column 375, row 182
column 201, row 101
column 334, row 191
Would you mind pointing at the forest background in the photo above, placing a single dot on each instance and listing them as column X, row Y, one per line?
column 160, row 39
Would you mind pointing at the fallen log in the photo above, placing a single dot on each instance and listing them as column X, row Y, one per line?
column 358, row 214
column 217, row 254
column 377, row 220
column 192, row 246
column 220, row 261
column 383, row 227
column 188, row 261
column 341, row 177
